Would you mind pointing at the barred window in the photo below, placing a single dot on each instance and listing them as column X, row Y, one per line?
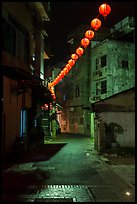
column 125, row 64
column 103, row 61
column 77, row 91
column 103, row 87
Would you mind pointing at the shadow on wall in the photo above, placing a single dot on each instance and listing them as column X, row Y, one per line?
column 110, row 134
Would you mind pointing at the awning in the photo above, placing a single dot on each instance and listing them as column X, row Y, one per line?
column 86, row 107
column 26, row 80
column 16, row 73
column 120, row 102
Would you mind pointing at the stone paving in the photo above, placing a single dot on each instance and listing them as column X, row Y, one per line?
column 123, row 166
column 66, row 170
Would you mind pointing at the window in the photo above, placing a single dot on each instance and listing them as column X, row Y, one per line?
column 77, row 91
column 6, row 41
column 26, row 48
column 97, row 88
column 103, row 61
column 124, row 63
column 103, row 87
column 15, row 39
column 97, row 64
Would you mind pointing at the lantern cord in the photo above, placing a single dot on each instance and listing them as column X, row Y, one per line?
column 98, row 15
column 82, row 53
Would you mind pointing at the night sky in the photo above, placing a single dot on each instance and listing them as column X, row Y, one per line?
column 65, row 17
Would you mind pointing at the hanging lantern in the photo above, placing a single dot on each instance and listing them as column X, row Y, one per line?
column 68, row 66
column 55, row 82
column 50, row 85
column 52, row 90
column 62, row 73
column 104, row 9
column 85, row 42
column 74, row 57
column 79, row 51
column 89, row 34
column 65, row 70
column 57, row 79
column 71, row 62
column 95, row 23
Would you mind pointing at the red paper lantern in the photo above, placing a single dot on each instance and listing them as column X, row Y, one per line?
column 104, row 9
column 79, row 51
column 62, row 73
column 71, row 62
column 74, row 57
column 85, row 42
column 57, row 79
column 89, row 34
column 68, row 66
column 95, row 23
column 65, row 70
column 51, row 84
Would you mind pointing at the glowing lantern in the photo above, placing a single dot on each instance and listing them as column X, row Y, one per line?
column 74, row 57
column 89, row 34
column 57, row 79
column 62, row 73
column 85, row 42
column 95, row 23
column 79, row 51
column 51, row 84
column 65, row 70
column 54, row 82
column 52, row 90
column 71, row 62
column 104, row 9
column 68, row 66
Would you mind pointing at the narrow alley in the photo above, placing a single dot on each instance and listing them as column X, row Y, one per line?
column 66, row 169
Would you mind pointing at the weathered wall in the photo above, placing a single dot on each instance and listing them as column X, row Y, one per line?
column 127, row 121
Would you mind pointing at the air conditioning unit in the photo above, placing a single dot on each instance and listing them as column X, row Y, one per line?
column 97, row 98
column 72, row 109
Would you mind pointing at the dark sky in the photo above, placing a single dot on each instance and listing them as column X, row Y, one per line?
column 66, row 16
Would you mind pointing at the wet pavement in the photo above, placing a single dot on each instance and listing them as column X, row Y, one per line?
column 66, row 169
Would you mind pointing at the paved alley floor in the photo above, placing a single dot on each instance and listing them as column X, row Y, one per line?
column 66, row 169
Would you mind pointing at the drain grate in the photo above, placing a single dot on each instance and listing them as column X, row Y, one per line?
column 54, row 200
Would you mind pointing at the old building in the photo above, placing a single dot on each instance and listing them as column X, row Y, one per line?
column 113, row 72
column 106, row 68
column 113, row 121
column 23, row 55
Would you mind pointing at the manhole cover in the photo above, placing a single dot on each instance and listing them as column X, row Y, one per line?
column 54, row 200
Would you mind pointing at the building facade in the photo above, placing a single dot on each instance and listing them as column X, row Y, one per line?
column 23, row 87
column 106, row 68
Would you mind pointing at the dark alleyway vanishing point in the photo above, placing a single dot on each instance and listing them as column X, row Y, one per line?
column 66, row 169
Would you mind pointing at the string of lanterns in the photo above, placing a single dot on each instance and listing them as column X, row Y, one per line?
column 104, row 10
